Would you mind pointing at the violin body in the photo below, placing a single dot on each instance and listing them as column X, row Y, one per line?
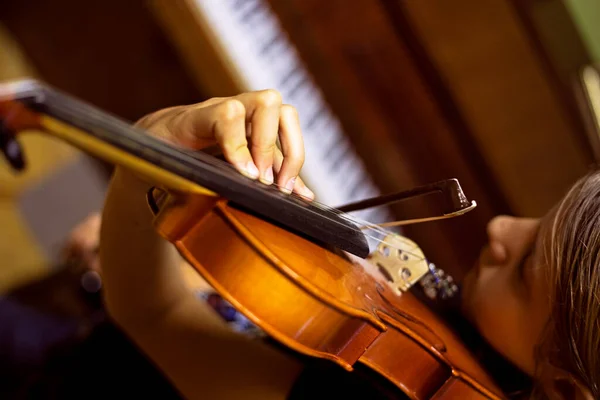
column 282, row 262
column 320, row 303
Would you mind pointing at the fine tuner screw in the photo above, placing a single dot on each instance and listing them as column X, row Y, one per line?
column 11, row 148
column 437, row 284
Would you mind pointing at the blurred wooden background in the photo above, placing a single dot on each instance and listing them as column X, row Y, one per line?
column 484, row 91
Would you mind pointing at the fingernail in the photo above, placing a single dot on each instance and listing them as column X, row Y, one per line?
column 289, row 187
column 268, row 176
column 251, row 170
column 307, row 192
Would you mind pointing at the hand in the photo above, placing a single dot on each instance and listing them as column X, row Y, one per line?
column 246, row 127
column 83, row 241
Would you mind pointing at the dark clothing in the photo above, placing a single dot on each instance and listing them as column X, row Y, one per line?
column 325, row 380
column 27, row 334
column 43, row 356
column 40, row 358
column 107, row 365
column 27, row 340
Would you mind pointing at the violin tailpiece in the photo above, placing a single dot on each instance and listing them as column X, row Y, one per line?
column 401, row 261
column 403, row 265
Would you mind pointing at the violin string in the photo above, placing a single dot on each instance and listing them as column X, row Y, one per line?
column 350, row 218
column 355, row 220
column 368, row 226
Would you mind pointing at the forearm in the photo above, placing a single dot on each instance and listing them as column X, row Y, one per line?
column 206, row 360
column 147, row 296
column 139, row 267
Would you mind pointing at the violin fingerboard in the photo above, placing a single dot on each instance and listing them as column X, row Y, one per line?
column 321, row 225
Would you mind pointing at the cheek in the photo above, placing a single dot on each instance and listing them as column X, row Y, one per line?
column 489, row 299
column 496, row 311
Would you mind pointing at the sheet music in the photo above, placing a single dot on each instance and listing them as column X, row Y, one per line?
column 250, row 35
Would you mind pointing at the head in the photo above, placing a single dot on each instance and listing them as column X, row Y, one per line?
column 534, row 294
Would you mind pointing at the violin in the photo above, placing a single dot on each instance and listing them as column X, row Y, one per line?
column 329, row 295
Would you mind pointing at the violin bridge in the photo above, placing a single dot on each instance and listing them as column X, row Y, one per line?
column 401, row 261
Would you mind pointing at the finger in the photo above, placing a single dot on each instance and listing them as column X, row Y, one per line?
column 299, row 186
column 211, row 101
column 262, row 109
column 156, row 121
column 223, row 123
column 85, row 237
column 303, row 190
column 292, row 145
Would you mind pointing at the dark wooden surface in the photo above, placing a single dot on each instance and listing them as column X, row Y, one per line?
column 433, row 90
column 376, row 86
column 111, row 53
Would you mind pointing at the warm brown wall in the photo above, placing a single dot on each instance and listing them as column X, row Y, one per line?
column 507, row 97
column 439, row 89
column 110, row 52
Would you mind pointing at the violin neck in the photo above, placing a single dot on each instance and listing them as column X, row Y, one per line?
column 26, row 105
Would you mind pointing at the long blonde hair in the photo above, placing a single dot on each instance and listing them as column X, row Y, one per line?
column 572, row 250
